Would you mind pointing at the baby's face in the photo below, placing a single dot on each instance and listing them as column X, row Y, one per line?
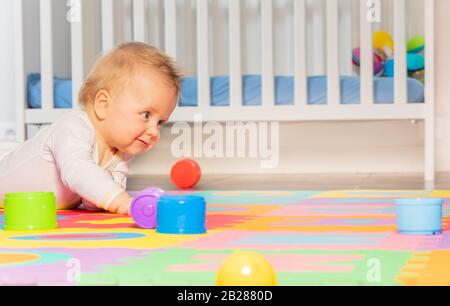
column 138, row 111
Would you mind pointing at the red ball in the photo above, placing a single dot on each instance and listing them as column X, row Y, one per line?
column 185, row 173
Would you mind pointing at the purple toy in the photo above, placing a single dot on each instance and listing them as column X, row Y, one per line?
column 144, row 206
column 378, row 63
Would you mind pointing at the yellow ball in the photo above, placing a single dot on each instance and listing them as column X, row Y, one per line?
column 245, row 268
column 383, row 42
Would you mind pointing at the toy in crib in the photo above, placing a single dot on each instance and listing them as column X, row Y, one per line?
column 415, row 65
column 378, row 64
column 383, row 42
column 383, row 56
column 416, row 45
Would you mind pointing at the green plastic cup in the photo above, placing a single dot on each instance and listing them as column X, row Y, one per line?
column 27, row 211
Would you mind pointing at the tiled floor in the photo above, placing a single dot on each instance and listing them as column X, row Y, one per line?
column 299, row 182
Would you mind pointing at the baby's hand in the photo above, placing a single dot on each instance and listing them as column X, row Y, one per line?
column 121, row 205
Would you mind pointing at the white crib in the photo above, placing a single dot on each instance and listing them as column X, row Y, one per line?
column 268, row 111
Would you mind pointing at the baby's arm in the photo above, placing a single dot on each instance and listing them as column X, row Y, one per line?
column 121, row 204
column 71, row 146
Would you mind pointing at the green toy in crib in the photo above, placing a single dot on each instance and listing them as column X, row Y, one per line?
column 415, row 60
column 416, row 44
column 384, row 49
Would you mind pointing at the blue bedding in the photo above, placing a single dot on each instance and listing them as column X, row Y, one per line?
column 284, row 90
column 62, row 92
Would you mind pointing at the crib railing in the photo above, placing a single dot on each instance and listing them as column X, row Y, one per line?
column 47, row 113
column 299, row 111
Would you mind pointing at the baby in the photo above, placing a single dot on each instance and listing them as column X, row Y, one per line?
column 84, row 156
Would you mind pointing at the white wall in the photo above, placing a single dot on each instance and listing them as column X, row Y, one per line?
column 442, row 85
column 7, row 73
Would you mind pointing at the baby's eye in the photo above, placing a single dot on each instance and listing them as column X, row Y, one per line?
column 146, row 115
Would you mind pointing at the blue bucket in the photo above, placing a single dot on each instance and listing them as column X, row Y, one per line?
column 181, row 215
column 421, row 216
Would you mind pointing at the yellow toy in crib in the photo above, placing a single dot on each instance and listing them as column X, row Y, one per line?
column 383, row 42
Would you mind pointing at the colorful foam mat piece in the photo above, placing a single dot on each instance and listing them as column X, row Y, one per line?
column 310, row 238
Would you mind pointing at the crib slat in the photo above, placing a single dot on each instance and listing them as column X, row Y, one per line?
column 366, row 67
column 429, row 92
column 400, row 69
column 333, row 79
column 107, row 25
column 170, row 28
column 235, row 53
column 345, row 39
column 203, row 54
column 20, row 72
column 139, row 20
column 267, row 81
column 316, row 42
column 76, row 27
column 188, row 38
column 300, row 71
column 46, row 54
column 155, row 16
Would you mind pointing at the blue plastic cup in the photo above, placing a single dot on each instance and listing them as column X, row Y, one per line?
column 421, row 216
column 181, row 215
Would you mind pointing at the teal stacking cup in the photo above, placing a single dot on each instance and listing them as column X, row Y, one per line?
column 26, row 211
column 416, row 216
column 181, row 215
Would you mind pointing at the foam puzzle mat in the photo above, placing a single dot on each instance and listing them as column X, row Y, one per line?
column 310, row 238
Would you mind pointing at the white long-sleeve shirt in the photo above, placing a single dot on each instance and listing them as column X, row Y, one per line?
column 63, row 158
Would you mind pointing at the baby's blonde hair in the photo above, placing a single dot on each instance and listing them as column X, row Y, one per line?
column 112, row 70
